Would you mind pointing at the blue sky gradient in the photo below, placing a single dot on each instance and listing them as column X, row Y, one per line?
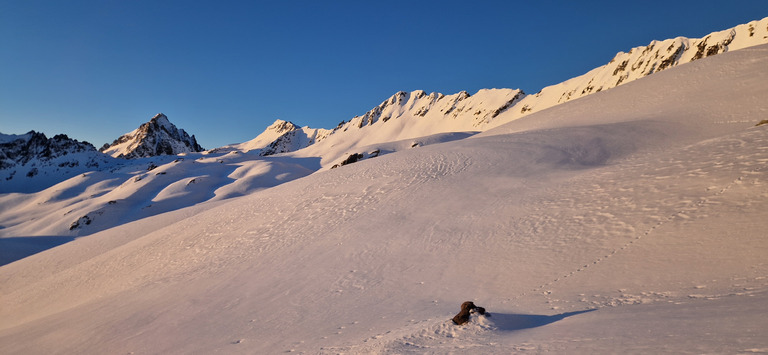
column 224, row 70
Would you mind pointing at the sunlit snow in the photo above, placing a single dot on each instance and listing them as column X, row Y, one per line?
column 629, row 220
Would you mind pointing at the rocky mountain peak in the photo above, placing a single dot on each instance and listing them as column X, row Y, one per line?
column 157, row 137
column 280, row 126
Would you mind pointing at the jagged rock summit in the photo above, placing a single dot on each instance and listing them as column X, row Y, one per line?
column 22, row 149
column 32, row 161
column 157, row 137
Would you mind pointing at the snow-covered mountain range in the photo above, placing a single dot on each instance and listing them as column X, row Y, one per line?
column 32, row 162
column 631, row 220
column 402, row 122
column 404, row 116
column 416, row 114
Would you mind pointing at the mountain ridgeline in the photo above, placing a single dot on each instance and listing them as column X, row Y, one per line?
column 419, row 114
column 404, row 117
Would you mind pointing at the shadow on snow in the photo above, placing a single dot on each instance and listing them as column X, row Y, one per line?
column 512, row 322
column 17, row 248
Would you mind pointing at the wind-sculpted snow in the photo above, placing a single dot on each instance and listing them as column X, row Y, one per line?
column 629, row 221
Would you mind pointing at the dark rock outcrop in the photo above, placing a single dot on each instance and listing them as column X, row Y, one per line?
column 36, row 146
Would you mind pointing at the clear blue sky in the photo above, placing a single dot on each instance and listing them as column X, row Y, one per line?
column 224, row 70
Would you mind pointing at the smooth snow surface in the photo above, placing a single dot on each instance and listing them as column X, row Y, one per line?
column 630, row 220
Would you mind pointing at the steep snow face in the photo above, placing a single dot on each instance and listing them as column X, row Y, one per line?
column 156, row 137
column 31, row 162
column 645, row 204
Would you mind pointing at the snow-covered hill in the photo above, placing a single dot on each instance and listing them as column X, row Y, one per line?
column 157, row 137
column 631, row 220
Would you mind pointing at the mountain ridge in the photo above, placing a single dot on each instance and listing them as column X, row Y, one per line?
column 494, row 107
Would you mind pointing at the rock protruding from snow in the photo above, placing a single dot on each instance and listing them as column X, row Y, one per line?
column 157, row 137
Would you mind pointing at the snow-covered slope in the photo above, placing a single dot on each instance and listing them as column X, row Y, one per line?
column 156, row 137
column 631, row 220
column 139, row 188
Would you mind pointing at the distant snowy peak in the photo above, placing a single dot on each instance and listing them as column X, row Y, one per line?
column 294, row 140
column 280, row 137
column 157, row 137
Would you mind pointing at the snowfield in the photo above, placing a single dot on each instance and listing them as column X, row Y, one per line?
column 631, row 220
